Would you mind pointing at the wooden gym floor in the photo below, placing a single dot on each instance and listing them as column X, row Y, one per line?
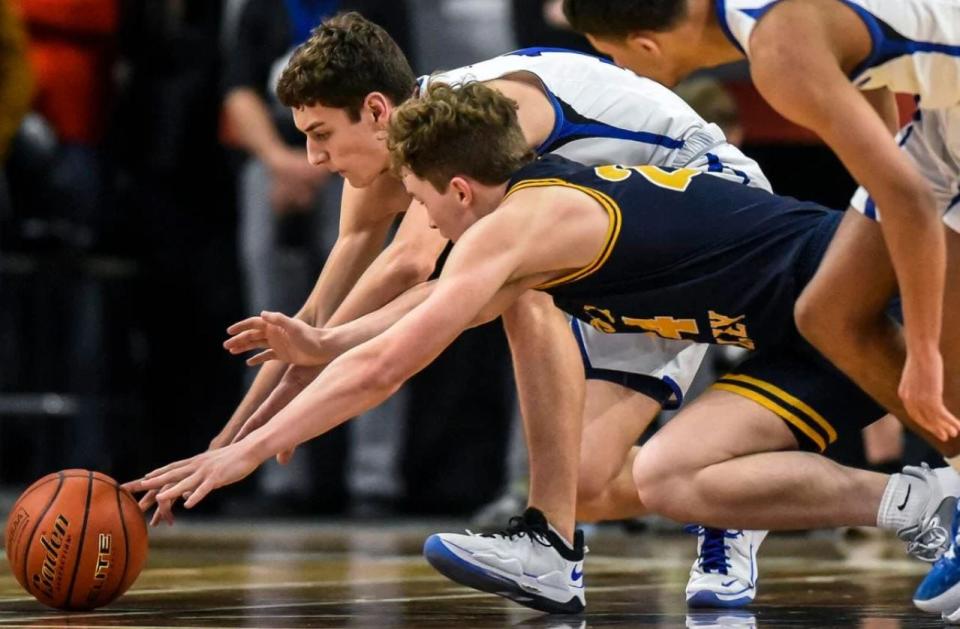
column 343, row 574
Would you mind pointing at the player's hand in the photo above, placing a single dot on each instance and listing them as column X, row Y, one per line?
column 921, row 389
column 194, row 478
column 281, row 337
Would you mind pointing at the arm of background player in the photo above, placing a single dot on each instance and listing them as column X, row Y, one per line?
column 812, row 90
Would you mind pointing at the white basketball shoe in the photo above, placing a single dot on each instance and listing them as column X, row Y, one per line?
column 725, row 571
column 528, row 562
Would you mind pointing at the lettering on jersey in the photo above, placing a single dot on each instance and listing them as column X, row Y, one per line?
column 664, row 327
column 612, row 172
column 601, row 319
column 730, row 330
column 677, row 180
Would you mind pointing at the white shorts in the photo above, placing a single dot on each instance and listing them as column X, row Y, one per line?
column 932, row 140
column 656, row 367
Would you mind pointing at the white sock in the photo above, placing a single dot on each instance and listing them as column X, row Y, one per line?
column 903, row 501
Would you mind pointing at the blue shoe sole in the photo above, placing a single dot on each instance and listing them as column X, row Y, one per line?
column 707, row 599
column 456, row 569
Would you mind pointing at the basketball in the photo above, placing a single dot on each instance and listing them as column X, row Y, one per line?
column 76, row 540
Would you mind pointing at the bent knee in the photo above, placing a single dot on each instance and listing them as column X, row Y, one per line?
column 660, row 483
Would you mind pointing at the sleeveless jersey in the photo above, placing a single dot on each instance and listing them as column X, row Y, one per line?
column 607, row 114
column 915, row 44
column 724, row 265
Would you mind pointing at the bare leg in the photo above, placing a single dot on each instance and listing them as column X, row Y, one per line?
column 618, row 499
column 728, row 462
column 841, row 312
column 614, row 418
column 550, row 385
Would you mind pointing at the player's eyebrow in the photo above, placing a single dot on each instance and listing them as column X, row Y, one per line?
column 313, row 125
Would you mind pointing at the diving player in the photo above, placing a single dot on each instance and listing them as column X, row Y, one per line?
column 725, row 265
column 343, row 85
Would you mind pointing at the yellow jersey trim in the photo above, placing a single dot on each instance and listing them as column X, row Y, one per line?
column 789, row 399
column 776, row 409
column 613, row 230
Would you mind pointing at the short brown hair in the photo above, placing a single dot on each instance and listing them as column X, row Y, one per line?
column 471, row 130
column 346, row 58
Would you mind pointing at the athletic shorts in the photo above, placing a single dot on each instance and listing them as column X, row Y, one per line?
column 817, row 402
column 658, row 368
column 932, row 140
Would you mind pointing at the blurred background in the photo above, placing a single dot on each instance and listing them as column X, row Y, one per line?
column 138, row 220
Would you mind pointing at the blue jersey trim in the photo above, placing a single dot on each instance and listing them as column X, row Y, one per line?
column 536, row 51
column 887, row 43
column 570, row 125
column 721, row 7
column 670, row 405
column 870, row 209
column 954, row 201
column 714, row 165
column 558, row 121
column 756, row 14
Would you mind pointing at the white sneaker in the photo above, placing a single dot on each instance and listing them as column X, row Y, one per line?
column 528, row 562
column 725, row 571
column 928, row 538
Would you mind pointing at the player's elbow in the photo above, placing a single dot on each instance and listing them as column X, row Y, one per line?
column 408, row 265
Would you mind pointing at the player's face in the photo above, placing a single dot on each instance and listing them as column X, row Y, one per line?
column 449, row 214
column 355, row 150
column 639, row 54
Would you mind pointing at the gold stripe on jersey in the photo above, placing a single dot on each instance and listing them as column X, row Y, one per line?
column 776, row 409
column 613, row 230
column 789, row 399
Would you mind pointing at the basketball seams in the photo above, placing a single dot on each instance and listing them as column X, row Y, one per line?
column 83, row 534
column 26, row 549
column 126, row 540
column 35, row 487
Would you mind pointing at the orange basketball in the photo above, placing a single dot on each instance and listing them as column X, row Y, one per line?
column 75, row 540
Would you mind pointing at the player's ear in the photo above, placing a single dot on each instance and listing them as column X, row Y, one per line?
column 643, row 42
column 463, row 190
column 379, row 106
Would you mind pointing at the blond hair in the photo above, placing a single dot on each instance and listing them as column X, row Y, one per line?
column 470, row 130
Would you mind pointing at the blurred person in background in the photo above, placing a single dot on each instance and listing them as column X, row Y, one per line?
column 16, row 89
column 542, row 23
column 286, row 206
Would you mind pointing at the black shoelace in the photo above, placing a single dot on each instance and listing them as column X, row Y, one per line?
column 519, row 527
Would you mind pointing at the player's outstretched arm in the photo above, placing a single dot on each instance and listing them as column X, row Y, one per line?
column 811, row 89
column 478, row 269
column 293, row 341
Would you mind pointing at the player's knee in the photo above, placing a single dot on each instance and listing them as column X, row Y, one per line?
column 658, row 482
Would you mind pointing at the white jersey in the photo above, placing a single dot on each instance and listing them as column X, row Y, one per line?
column 605, row 114
column 915, row 44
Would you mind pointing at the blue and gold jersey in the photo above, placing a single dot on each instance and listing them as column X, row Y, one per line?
column 688, row 256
